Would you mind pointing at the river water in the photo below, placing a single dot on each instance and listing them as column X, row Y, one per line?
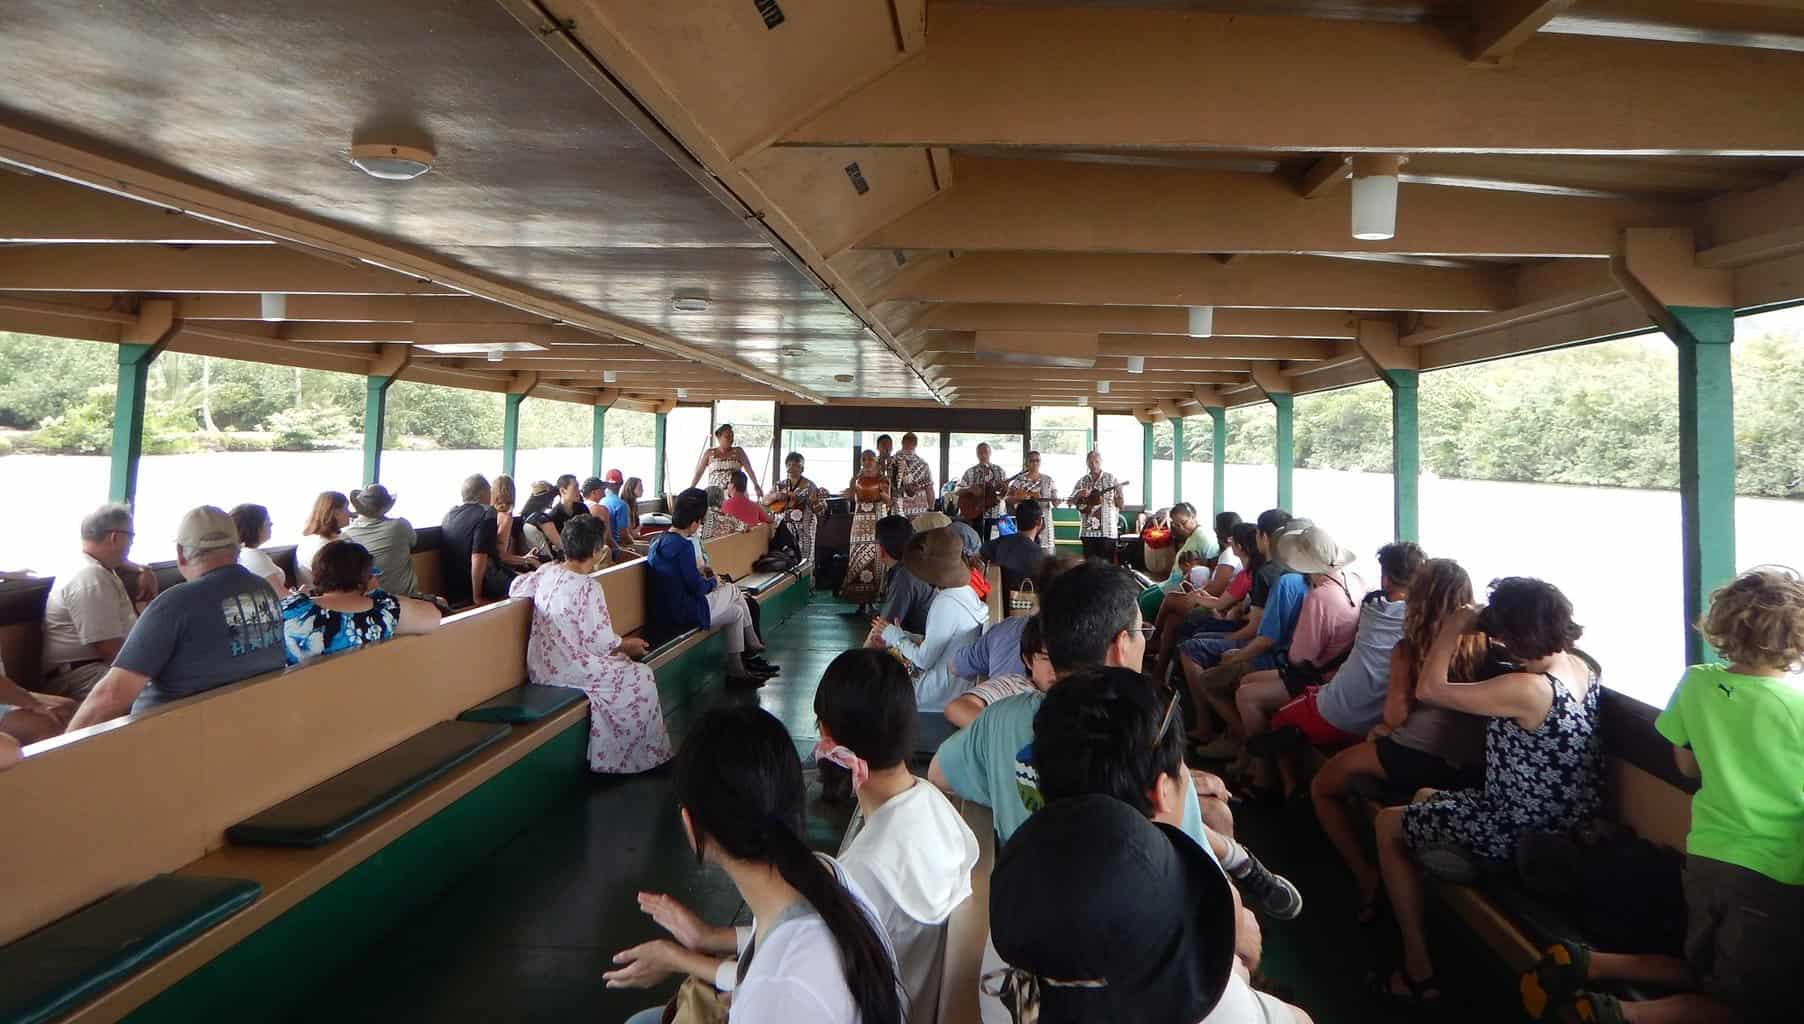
column 1615, row 552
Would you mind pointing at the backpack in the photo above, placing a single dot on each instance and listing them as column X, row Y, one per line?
column 784, row 555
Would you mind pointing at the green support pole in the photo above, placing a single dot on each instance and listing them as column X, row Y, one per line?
column 1406, row 451
column 128, row 421
column 1177, row 460
column 1146, row 465
column 1284, row 448
column 510, row 432
column 375, row 416
column 1218, row 455
column 597, row 438
column 657, row 472
column 1706, row 460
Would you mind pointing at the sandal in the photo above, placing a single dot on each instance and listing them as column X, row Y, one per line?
column 1424, row 993
column 1555, row 979
column 1597, row 1008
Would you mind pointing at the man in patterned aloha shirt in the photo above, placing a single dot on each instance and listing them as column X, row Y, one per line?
column 985, row 474
column 1101, row 527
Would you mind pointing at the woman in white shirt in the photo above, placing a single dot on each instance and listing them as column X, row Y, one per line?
column 954, row 621
column 814, row 952
column 330, row 514
column 907, row 847
column 253, row 532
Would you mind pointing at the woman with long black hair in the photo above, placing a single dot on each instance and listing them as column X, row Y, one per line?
column 815, row 951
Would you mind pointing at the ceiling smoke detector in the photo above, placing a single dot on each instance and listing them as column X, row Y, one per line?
column 390, row 162
column 844, row 378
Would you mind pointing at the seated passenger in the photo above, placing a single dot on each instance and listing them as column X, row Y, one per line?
column 1740, row 729
column 815, row 951
column 89, row 610
column 593, row 490
column 681, row 595
column 906, row 847
column 906, row 598
column 1415, row 746
column 567, row 503
column 1194, row 612
column 345, row 610
column 1543, row 760
column 739, row 505
column 254, row 527
column 469, row 551
column 717, row 523
column 1193, row 539
column 1031, row 671
column 1019, row 554
column 573, row 643
column 222, row 624
column 389, row 541
column 1105, row 732
column 510, row 529
column 27, row 717
column 955, row 619
column 1206, row 646
column 620, row 514
column 330, row 514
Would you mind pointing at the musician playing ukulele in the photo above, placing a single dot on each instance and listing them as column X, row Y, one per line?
column 1098, row 496
column 1031, row 483
column 988, row 483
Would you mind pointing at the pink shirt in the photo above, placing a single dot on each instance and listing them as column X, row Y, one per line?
column 743, row 509
column 1327, row 621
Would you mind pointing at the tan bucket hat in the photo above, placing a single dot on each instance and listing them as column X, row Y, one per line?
column 1312, row 550
column 937, row 558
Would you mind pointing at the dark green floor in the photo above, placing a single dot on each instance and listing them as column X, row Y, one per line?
column 527, row 935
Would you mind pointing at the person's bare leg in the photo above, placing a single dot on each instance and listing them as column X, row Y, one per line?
column 1261, row 693
column 1643, row 968
column 1329, row 794
column 1690, row 1008
column 1193, row 680
column 1404, row 885
column 29, row 726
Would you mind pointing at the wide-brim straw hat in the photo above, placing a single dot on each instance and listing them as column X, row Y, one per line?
column 1313, row 550
column 937, row 558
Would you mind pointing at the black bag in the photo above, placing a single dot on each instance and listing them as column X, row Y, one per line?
column 775, row 561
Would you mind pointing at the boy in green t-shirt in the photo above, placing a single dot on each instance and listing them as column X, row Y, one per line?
column 1741, row 730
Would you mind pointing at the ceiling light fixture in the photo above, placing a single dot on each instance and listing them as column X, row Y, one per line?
column 1375, row 196
column 1102, row 387
column 682, row 393
column 844, row 378
column 689, row 303
column 1136, row 364
column 389, row 162
column 1083, row 400
column 494, row 355
column 610, row 376
column 273, row 306
column 1202, row 322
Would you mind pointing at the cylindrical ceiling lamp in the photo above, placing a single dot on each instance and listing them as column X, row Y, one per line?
column 1202, row 322
column 1083, row 400
column 494, row 355
column 274, row 306
column 1102, row 387
column 1136, row 364
column 1375, row 196
column 610, row 376
column 682, row 393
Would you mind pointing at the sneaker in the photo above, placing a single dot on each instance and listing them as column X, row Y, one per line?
column 757, row 664
column 1272, row 894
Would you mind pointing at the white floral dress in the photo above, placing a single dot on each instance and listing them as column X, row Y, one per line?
column 573, row 644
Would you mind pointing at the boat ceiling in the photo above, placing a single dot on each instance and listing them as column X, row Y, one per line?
column 985, row 203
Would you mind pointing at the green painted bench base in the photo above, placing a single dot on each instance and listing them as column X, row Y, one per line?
column 776, row 609
column 63, row 965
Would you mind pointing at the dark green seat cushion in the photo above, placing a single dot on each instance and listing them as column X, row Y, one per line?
column 64, row 964
column 527, row 703
column 328, row 810
column 758, row 582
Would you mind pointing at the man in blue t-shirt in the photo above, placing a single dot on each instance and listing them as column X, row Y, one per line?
column 221, row 625
column 619, row 513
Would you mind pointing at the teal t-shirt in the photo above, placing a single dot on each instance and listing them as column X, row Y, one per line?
column 982, row 763
column 1201, row 541
column 1748, row 735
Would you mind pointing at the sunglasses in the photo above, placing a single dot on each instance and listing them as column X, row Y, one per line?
column 1171, row 715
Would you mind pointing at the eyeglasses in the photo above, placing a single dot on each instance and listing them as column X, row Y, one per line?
column 1171, row 715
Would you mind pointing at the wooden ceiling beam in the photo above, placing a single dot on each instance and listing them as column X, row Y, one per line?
column 1027, row 76
column 1167, row 320
column 1325, row 175
column 1277, row 282
column 356, row 309
column 1067, row 206
column 155, row 268
column 1500, row 26
column 36, row 208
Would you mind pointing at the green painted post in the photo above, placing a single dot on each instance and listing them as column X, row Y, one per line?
column 1146, row 464
column 1706, row 460
column 510, row 432
column 657, row 472
column 1177, row 459
column 375, row 416
column 128, row 421
column 597, row 439
column 1218, row 455
column 1284, row 447
column 1406, row 451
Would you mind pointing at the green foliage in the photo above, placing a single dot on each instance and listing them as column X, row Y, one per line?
column 45, row 377
column 6, row 446
column 448, row 417
column 300, row 430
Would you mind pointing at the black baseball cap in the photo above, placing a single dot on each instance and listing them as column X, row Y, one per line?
column 1120, row 918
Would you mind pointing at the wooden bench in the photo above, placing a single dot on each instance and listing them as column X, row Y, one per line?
column 103, row 823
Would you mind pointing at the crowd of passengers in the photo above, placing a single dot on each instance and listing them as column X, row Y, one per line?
column 1109, row 730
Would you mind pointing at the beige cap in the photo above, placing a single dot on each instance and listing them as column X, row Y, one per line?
column 206, row 529
column 930, row 521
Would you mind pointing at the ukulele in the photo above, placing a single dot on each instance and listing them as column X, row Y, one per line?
column 975, row 502
column 1092, row 498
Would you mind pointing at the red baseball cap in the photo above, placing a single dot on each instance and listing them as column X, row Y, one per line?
column 614, row 477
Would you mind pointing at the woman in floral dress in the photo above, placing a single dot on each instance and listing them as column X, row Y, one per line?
column 573, row 643
column 343, row 610
column 1543, row 759
column 806, row 503
column 864, row 566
